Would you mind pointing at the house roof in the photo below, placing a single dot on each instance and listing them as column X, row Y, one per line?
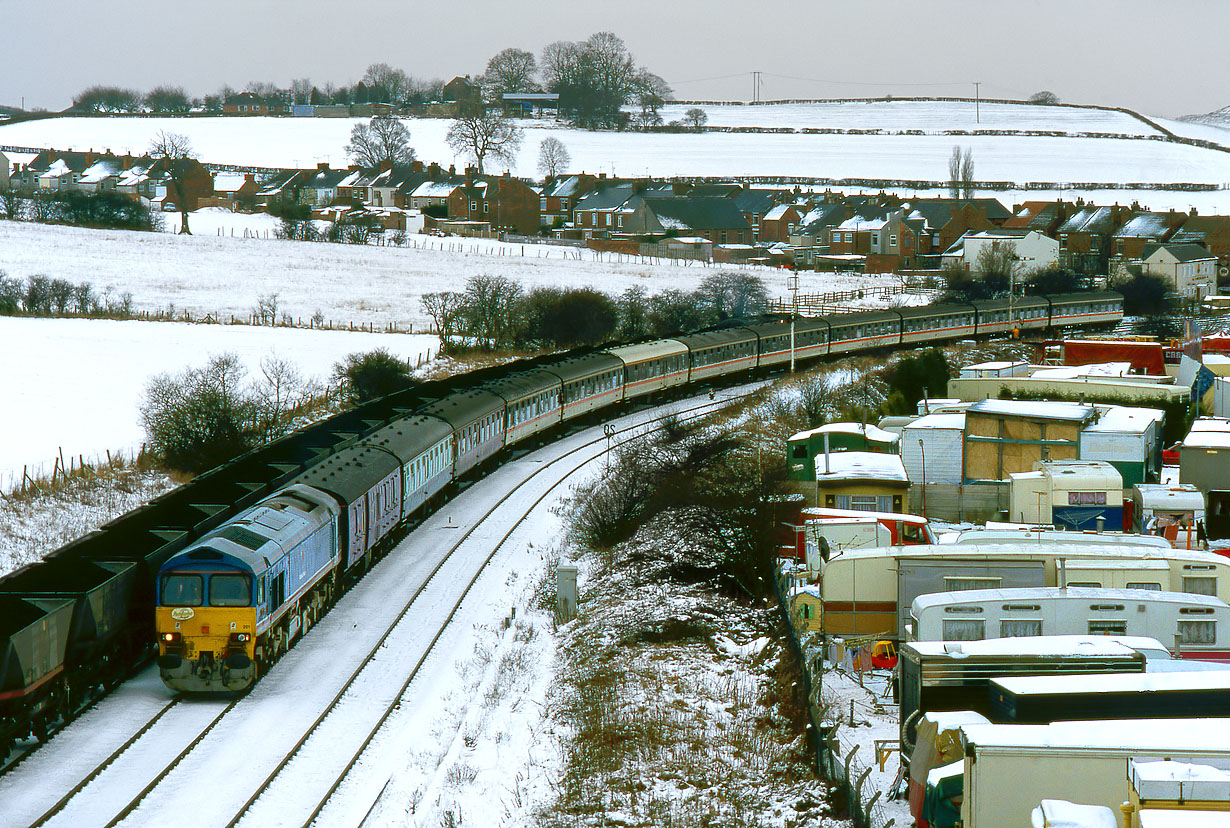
column 1198, row 228
column 752, row 200
column 779, row 212
column 938, row 211
column 698, row 213
column 860, row 465
column 434, row 189
column 606, row 198
column 567, row 186
column 1144, row 225
column 1181, row 252
column 1034, row 409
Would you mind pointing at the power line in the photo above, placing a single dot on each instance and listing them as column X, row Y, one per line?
column 702, row 80
column 880, row 84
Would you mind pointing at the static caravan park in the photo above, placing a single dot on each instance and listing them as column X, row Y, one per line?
column 866, row 592
column 1084, row 762
column 1191, row 626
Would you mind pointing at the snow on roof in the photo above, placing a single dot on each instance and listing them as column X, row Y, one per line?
column 1105, row 369
column 228, row 182
column 1059, row 813
column 433, row 189
column 1146, row 224
column 994, row 365
column 777, row 212
column 1211, row 424
column 1207, row 440
column 1135, row 566
column 869, row 431
column 1117, row 683
column 1184, row 818
column 101, row 170
column 1184, row 496
column 1125, row 418
column 1091, row 646
column 948, row 719
column 57, row 169
column 978, row 596
column 859, row 223
column 950, row 421
column 806, row 589
column 938, row 774
column 1116, row 737
column 860, row 465
column 1045, row 409
column 1208, row 780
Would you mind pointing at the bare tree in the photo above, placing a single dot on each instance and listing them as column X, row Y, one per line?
column 967, row 174
column 383, row 138
column 267, row 309
column 695, row 118
column 282, row 391
column 108, row 99
column 167, row 99
column 1044, row 97
column 961, row 173
column 480, row 135
column 176, row 154
column 954, row 173
column 387, row 84
column 301, row 91
column 553, row 157
column 511, row 70
column 490, row 310
column 996, row 260
column 445, row 309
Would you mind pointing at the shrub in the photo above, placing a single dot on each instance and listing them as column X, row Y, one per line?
column 369, row 376
column 200, row 418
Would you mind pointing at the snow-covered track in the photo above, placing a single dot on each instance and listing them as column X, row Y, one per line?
column 279, row 755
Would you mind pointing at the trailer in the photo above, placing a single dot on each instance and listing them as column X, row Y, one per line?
column 860, row 589
column 1083, row 762
column 1167, row 695
column 956, row 675
column 1192, row 626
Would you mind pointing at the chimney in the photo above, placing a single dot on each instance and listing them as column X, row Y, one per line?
column 452, row 169
column 434, row 170
column 602, row 175
column 249, row 178
column 321, row 166
column 386, row 165
column 416, row 166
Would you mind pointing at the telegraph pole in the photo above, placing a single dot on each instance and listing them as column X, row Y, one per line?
column 793, row 284
column 755, row 87
column 977, row 102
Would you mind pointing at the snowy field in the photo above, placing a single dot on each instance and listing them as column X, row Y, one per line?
column 82, row 392
column 289, row 142
column 210, row 274
column 928, row 116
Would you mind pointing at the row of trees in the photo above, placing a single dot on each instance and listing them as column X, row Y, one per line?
column 496, row 313
column 41, row 295
column 104, row 210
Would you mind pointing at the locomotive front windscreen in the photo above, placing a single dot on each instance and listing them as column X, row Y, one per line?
column 230, row 591
column 182, row 590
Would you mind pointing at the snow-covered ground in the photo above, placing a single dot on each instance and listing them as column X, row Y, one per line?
column 928, row 116
column 75, row 385
column 291, row 142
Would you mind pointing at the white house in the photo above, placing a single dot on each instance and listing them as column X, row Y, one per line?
column 4, row 171
column 1189, row 268
column 1034, row 251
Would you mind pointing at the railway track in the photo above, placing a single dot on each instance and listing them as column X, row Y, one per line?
column 144, row 780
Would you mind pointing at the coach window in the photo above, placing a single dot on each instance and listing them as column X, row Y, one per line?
column 1020, row 627
column 182, row 590
column 230, row 591
column 1108, row 627
column 1197, row 632
column 964, row 629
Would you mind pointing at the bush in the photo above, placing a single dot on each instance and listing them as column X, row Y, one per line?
column 369, row 376
column 1143, row 294
column 1053, row 281
column 200, row 418
column 907, row 379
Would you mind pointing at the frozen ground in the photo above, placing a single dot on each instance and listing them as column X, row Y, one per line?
column 289, row 142
column 75, row 385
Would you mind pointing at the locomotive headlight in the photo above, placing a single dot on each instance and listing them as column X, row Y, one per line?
column 168, row 636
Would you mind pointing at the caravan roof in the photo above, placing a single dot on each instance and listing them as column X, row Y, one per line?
column 1131, row 735
column 1048, row 537
column 974, row 596
column 1040, row 645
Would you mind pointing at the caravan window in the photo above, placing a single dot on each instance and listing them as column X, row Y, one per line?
column 1019, row 627
column 1107, row 627
column 1197, row 632
column 1144, row 585
column 1200, row 586
column 957, row 583
column 964, row 629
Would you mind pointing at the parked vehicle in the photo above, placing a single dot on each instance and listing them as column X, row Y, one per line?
column 1191, row 626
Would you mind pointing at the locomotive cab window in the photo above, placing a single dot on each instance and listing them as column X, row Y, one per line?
column 182, row 590
column 230, row 591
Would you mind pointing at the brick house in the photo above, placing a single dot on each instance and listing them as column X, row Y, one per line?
column 1211, row 232
column 945, row 220
column 560, row 195
column 231, row 190
column 197, row 182
column 779, row 223
column 714, row 218
column 506, row 203
column 1042, row 216
column 1085, row 238
column 462, row 90
column 1128, row 242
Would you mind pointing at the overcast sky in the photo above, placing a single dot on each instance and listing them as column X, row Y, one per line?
column 1165, row 58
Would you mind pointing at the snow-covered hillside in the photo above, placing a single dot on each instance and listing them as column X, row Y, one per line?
column 301, row 142
column 78, row 388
